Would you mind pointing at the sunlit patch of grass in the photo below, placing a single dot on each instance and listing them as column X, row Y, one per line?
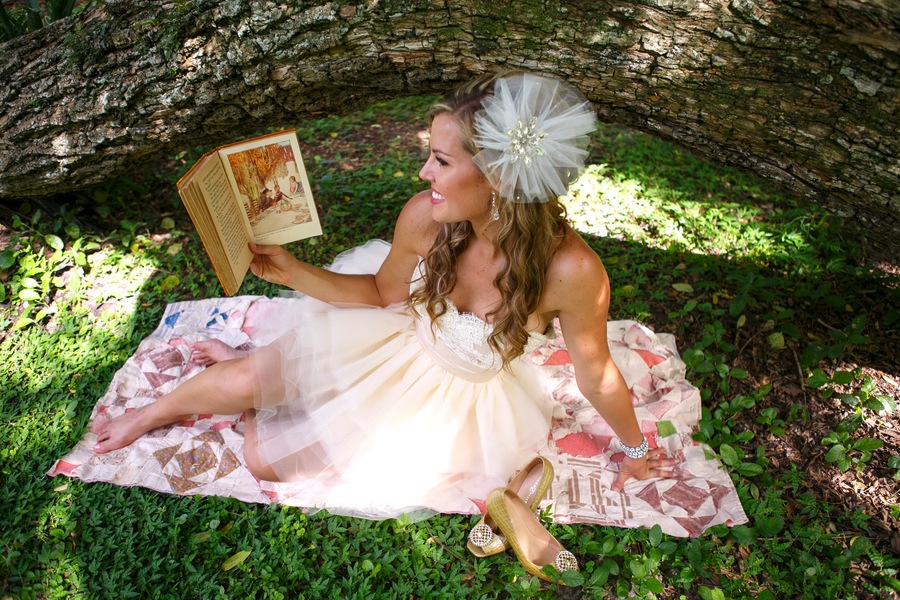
column 608, row 203
column 643, row 190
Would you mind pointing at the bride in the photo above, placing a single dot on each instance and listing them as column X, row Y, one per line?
column 399, row 380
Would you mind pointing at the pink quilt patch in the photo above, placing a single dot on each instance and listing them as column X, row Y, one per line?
column 650, row 359
column 560, row 357
column 578, row 444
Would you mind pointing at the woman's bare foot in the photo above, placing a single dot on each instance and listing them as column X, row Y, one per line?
column 210, row 352
column 113, row 434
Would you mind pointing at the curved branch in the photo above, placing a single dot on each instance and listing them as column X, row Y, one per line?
column 802, row 95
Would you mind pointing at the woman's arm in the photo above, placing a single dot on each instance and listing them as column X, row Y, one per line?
column 581, row 290
column 389, row 285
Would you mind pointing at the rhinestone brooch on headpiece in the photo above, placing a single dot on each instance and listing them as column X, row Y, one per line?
column 525, row 141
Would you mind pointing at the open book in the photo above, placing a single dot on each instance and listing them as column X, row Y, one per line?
column 251, row 191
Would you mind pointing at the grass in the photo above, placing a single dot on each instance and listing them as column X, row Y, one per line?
column 784, row 318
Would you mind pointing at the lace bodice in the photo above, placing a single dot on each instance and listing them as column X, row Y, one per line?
column 466, row 335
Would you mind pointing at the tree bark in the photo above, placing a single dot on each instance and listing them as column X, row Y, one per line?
column 802, row 92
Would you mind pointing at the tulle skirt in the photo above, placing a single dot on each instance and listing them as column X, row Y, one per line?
column 366, row 414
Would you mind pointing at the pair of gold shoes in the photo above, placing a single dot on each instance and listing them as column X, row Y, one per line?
column 511, row 522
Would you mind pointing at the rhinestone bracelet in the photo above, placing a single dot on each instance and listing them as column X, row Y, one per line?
column 636, row 451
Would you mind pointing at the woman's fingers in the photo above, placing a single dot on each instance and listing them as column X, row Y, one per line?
column 265, row 249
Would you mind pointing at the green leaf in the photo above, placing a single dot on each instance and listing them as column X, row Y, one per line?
column 836, row 453
column 743, row 535
column 749, row 469
column 22, row 323
column 654, row 585
column 776, row 340
column 711, row 594
column 868, row 385
column 843, row 377
column 169, row 283
column 592, row 547
column 867, row 444
column 656, row 535
column 28, row 295
column 883, row 403
column 638, row 569
column 892, row 582
column 685, row 288
column 848, row 399
column 729, row 455
column 7, row 258
column 769, row 526
column 572, row 578
column 54, row 242
column 831, row 438
column 235, row 560
column 817, row 379
column 738, row 305
column 610, row 566
column 859, row 545
column 666, row 429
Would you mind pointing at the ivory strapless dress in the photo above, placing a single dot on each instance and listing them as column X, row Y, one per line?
column 383, row 415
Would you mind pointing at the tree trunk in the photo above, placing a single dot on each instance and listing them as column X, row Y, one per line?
column 802, row 92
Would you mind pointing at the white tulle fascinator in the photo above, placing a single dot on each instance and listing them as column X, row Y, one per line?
column 532, row 135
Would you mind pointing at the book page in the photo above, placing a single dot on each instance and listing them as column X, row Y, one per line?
column 227, row 217
column 206, row 228
column 269, row 180
column 212, row 207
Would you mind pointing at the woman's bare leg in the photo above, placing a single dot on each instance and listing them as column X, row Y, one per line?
column 227, row 387
column 259, row 468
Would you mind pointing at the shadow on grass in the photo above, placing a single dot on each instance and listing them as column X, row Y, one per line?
column 50, row 383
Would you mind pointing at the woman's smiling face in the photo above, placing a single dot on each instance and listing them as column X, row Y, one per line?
column 459, row 190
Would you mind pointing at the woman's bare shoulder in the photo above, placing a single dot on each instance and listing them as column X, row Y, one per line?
column 575, row 262
column 576, row 288
column 415, row 225
column 575, row 279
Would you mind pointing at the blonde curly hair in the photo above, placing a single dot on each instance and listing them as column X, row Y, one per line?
column 528, row 237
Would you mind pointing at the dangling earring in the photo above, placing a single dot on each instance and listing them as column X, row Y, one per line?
column 495, row 214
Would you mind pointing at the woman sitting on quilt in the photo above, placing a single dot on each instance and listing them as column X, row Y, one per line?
column 399, row 381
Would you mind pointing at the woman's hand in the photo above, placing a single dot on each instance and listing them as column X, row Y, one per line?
column 653, row 464
column 274, row 264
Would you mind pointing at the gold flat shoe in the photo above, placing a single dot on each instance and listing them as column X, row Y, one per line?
column 534, row 546
column 530, row 484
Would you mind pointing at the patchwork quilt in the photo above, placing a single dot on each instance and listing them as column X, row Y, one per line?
column 204, row 455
